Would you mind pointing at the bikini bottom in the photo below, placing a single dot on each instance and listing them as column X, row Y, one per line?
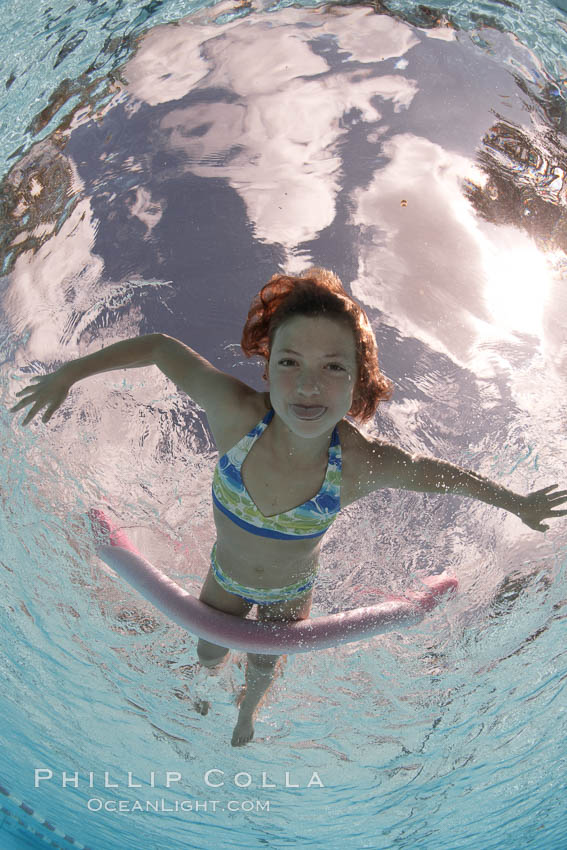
column 258, row 596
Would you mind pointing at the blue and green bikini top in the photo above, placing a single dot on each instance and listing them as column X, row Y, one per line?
column 311, row 519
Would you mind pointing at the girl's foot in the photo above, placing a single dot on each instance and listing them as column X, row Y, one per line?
column 243, row 731
column 202, row 706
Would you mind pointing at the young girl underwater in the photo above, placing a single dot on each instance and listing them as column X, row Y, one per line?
column 279, row 448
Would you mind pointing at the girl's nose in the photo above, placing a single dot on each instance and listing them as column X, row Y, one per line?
column 308, row 384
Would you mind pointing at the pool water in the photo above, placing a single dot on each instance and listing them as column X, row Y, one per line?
column 160, row 162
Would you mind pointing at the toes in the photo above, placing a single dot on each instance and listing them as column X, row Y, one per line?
column 241, row 740
column 241, row 737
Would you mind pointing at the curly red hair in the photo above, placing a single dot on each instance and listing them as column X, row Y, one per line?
column 318, row 292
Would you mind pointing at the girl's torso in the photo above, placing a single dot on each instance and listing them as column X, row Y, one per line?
column 274, row 489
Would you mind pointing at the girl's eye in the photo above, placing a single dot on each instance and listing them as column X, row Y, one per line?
column 288, row 361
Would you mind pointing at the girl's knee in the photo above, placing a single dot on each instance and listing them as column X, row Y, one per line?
column 210, row 654
column 263, row 662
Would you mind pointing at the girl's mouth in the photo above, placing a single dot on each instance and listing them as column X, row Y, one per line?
column 303, row 411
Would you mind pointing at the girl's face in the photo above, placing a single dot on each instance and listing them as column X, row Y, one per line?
column 312, row 373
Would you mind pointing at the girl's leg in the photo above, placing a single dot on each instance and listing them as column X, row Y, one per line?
column 260, row 669
column 212, row 655
column 260, row 673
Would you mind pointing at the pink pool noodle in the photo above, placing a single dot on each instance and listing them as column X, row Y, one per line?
column 114, row 548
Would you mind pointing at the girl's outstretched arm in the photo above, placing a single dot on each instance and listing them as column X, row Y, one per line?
column 51, row 390
column 216, row 392
column 385, row 465
column 437, row 476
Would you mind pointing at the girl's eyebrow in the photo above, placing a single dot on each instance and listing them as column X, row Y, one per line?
column 291, row 351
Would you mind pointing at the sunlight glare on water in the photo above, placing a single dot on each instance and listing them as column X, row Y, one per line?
column 518, row 284
column 160, row 162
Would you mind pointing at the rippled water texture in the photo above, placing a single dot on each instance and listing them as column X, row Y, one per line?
column 157, row 170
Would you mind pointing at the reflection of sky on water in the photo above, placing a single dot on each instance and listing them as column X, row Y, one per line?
column 428, row 173
column 321, row 144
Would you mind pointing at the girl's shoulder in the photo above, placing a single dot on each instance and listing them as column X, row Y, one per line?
column 363, row 460
column 229, row 429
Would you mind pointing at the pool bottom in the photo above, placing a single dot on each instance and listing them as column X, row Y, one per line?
column 21, row 828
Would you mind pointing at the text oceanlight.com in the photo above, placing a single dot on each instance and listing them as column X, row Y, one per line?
column 95, row 804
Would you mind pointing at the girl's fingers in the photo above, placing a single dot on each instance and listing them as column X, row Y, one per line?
column 23, row 401
column 29, row 389
column 35, row 409
column 20, row 404
column 49, row 413
column 546, row 489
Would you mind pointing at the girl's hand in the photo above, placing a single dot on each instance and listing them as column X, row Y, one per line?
column 49, row 391
column 536, row 507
